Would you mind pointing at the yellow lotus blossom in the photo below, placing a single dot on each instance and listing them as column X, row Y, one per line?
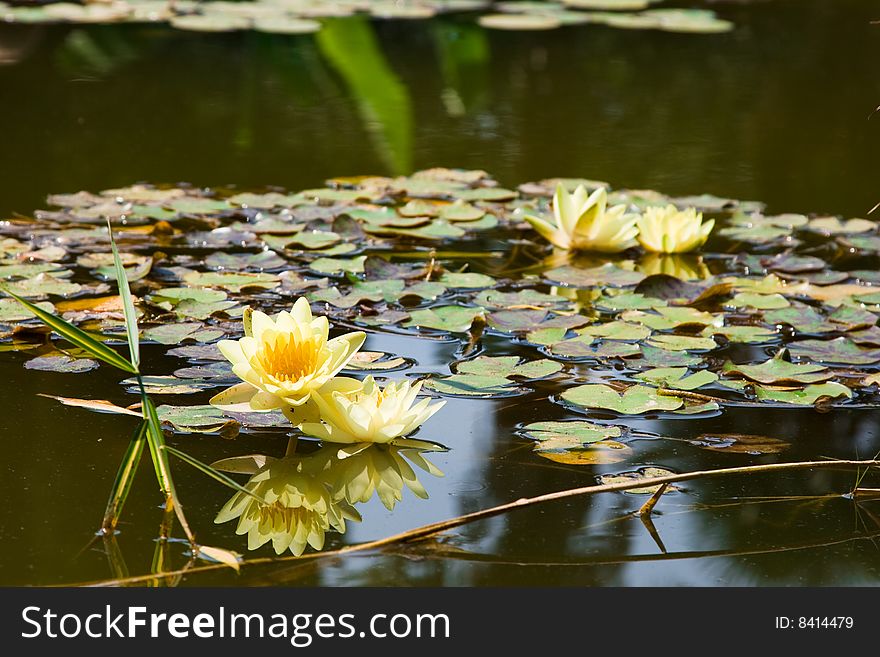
column 291, row 505
column 670, row 230
column 685, row 267
column 283, row 361
column 584, row 223
column 368, row 414
column 360, row 470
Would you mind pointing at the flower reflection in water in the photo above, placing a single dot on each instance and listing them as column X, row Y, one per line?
column 685, row 267
column 295, row 500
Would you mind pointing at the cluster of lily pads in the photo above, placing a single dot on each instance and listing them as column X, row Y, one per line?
column 778, row 310
column 303, row 16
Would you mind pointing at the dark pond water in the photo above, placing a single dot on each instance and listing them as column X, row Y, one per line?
column 777, row 110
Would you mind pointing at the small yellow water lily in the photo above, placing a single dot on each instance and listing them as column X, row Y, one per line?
column 283, row 361
column 585, row 223
column 368, row 414
column 291, row 505
column 670, row 230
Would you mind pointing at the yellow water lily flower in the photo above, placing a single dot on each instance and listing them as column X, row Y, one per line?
column 368, row 414
column 282, row 361
column 670, row 230
column 585, row 223
column 685, row 267
column 291, row 505
column 358, row 471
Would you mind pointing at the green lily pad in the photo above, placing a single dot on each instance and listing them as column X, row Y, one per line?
column 779, row 371
column 677, row 378
column 529, row 297
column 657, row 357
column 806, row 397
column 61, row 363
column 509, row 366
column 338, row 265
column 739, row 443
column 803, row 318
column 633, row 401
column 569, row 434
column 636, row 475
column 377, row 361
column 682, row 342
column 743, row 334
column 606, row 275
column 175, row 333
column 466, row 280
column 455, row 319
column 472, row 385
column 197, row 419
column 616, row 330
column 12, row 311
column 759, row 301
column 312, row 239
column 838, row 351
column 232, row 281
column 43, row 285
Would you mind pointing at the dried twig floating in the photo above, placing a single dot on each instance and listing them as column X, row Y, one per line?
column 522, row 503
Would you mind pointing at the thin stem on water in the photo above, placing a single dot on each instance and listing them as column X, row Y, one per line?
column 522, row 503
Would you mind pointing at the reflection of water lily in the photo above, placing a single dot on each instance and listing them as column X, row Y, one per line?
column 670, row 230
column 358, row 471
column 685, row 267
column 584, row 223
column 283, row 361
column 369, row 414
column 295, row 508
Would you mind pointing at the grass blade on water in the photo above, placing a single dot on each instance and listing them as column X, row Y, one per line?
column 124, row 479
column 76, row 335
column 128, row 309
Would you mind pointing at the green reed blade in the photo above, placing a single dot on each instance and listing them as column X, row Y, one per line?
column 124, row 478
column 76, row 335
column 128, row 309
column 211, row 472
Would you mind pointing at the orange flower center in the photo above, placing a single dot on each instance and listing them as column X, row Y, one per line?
column 287, row 359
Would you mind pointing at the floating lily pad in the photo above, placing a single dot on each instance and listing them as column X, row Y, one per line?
column 636, row 475
column 803, row 397
column 677, row 378
column 198, row 419
column 777, row 370
column 377, row 361
column 338, row 265
column 232, row 281
column 455, row 319
column 467, row 280
column 519, row 22
column 472, row 385
column 633, row 401
column 61, row 363
column 508, row 366
column 838, row 351
column 606, row 275
column 740, row 443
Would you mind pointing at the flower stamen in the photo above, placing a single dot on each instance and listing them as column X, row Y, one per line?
column 289, row 359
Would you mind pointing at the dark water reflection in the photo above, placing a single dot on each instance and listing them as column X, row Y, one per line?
column 775, row 111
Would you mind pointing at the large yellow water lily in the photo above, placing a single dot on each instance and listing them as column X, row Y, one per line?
column 585, row 223
column 368, row 414
column 282, row 361
column 291, row 505
column 670, row 230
